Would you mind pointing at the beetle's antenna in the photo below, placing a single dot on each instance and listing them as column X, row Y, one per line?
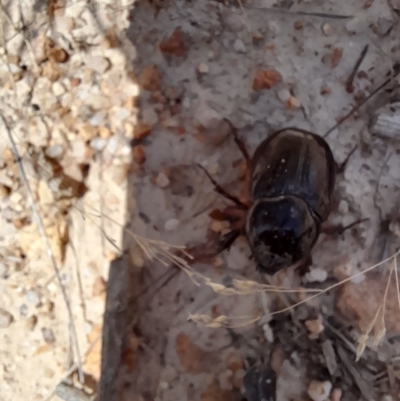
column 396, row 69
column 240, row 144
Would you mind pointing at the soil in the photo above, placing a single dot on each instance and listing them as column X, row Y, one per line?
column 111, row 107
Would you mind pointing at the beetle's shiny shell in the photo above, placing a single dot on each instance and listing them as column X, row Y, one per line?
column 291, row 183
column 298, row 163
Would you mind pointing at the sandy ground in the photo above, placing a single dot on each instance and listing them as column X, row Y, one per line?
column 110, row 106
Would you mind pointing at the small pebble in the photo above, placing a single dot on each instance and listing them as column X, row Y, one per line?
column 98, row 63
column 33, row 298
column 315, row 327
column 225, row 379
column 149, row 116
column 203, row 68
column 327, row 30
column 98, row 144
column 268, row 333
column 337, row 395
column 283, row 94
column 31, row 322
column 317, row 275
column 23, row 310
column 239, row 46
column 54, row 151
column 58, row 89
column 162, row 180
column 98, row 118
column 4, row 191
column 48, row 335
column 319, row 391
column 171, row 225
column 6, row 318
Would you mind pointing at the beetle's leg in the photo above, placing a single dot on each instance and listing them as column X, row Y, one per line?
column 227, row 240
column 304, row 266
column 342, row 166
column 222, row 191
column 339, row 228
column 240, row 144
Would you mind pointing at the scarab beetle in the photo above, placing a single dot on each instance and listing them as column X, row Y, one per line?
column 292, row 177
column 291, row 180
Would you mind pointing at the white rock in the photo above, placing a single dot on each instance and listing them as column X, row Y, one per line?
column 387, row 121
column 98, row 144
column 98, row 118
column 149, row 116
column 54, row 151
column 327, row 30
column 317, row 275
column 38, row 133
column 274, row 27
column 64, row 24
column 203, row 68
column 283, row 94
column 97, row 102
column 319, row 391
column 98, row 64
column 268, row 333
column 162, row 180
column 171, row 225
column 225, row 380
column 239, row 46
column 58, row 89
column 343, row 207
column 205, row 115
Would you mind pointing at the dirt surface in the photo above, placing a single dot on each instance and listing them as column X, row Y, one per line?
column 110, row 107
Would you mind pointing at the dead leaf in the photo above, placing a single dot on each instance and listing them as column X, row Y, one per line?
column 368, row 4
column 359, row 302
column 111, row 40
column 42, row 349
column 141, row 130
column 99, row 286
column 51, row 71
column 58, row 55
column 336, row 56
column 293, row 103
column 55, row 7
column 266, row 79
column 150, row 79
column 215, row 393
column 92, row 364
column 174, row 45
column 139, row 154
column 193, row 359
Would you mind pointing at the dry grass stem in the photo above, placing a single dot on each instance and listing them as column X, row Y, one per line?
column 42, row 230
column 377, row 324
column 223, row 321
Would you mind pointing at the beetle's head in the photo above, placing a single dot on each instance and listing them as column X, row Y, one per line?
column 280, row 231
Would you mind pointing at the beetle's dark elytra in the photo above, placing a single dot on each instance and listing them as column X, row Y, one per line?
column 291, row 182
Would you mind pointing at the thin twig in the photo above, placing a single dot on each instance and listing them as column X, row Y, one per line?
column 358, row 106
column 338, row 284
column 49, row 251
column 74, row 367
column 349, row 83
column 309, row 14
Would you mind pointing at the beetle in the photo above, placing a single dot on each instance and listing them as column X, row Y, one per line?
column 290, row 185
column 260, row 384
